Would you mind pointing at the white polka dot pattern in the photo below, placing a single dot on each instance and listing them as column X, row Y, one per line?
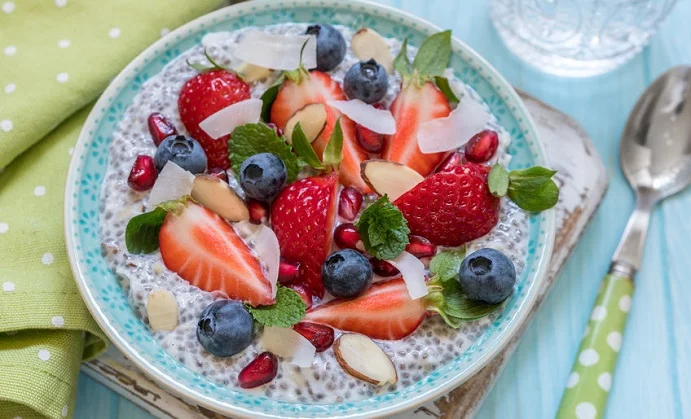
column 62, row 77
column 8, row 7
column 114, row 33
column 47, row 258
column 8, row 286
column 44, row 355
column 57, row 321
column 39, row 190
column 6, row 125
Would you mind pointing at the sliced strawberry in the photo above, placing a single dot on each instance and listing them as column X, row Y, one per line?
column 413, row 106
column 320, row 88
column 451, row 207
column 205, row 251
column 385, row 311
column 202, row 96
column 303, row 216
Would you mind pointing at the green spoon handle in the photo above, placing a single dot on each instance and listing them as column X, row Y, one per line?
column 592, row 373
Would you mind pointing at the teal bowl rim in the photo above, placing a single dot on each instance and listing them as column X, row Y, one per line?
column 165, row 379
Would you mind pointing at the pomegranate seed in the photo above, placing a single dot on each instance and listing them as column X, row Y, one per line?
column 349, row 203
column 219, row 173
column 383, row 268
column 369, row 140
column 287, row 272
column 320, row 336
column 305, row 293
column 482, row 146
column 276, row 129
column 420, row 247
column 143, row 174
column 260, row 371
column 346, row 236
column 259, row 211
column 160, row 127
column 452, row 160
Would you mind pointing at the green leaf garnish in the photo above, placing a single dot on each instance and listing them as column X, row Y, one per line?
column 299, row 74
column 333, row 153
column 498, row 181
column 402, row 63
column 141, row 233
column 533, row 189
column 445, row 88
column 304, row 149
column 383, row 229
column 269, row 97
column 214, row 65
column 288, row 309
column 250, row 139
column 445, row 265
column 447, row 299
column 432, row 57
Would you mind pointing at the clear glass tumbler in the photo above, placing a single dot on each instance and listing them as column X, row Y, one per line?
column 577, row 38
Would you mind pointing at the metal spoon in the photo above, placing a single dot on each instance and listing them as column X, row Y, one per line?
column 655, row 156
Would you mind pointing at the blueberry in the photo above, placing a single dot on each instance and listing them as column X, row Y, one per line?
column 367, row 81
column 346, row 273
column 487, row 275
column 331, row 47
column 183, row 151
column 225, row 328
column 262, row 176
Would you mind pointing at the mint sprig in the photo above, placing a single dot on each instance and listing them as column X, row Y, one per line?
column 250, row 139
column 431, row 59
column 532, row 189
column 383, row 229
column 269, row 97
column 445, row 88
column 333, row 153
column 401, row 63
column 445, row 264
column 141, row 233
column 304, row 149
column 447, row 299
column 288, row 309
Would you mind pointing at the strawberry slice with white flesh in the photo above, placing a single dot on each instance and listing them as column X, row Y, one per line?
column 300, row 89
column 206, row 251
column 418, row 101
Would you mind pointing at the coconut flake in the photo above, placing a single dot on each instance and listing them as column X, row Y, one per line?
column 227, row 119
column 173, row 182
column 265, row 243
column 413, row 272
column 278, row 52
column 287, row 343
column 378, row 120
column 453, row 131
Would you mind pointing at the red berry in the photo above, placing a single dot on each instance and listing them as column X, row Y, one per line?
column 143, row 174
column 349, row 203
column 420, row 247
column 287, row 272
column 276, row 129
column 369, row 140
column 482, row 146
column 346, row 236
column 160, row 127
column 452, row 160
column 259, row 211
column 260, row 371
column 383, row 268
column 319, row 335
column 219, row 173
column 305, row 293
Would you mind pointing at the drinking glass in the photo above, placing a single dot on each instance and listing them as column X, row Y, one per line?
column 577, row 38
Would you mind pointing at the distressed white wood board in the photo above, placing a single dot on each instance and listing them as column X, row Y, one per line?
column 583, row 181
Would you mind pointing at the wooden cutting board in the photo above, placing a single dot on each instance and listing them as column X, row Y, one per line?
column 582, row 179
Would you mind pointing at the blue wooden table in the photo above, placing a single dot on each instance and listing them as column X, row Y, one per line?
column 653, row 378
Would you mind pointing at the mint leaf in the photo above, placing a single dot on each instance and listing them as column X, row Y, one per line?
column 433, row 55
column 250, row 139
column 446, row 264
column 333, row 153
column 304, row 149
column 269, row 96
column 447, row 299
column 383, row 230
column 288, row 309
column 498, row 181
column 445, row 88
column 402, row 63
column 533, row 189
column 141, row 233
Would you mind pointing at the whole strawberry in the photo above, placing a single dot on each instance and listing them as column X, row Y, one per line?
column 451, row 207
column 302, row 216
column 202, row 96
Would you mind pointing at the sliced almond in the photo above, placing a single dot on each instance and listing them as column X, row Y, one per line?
column 216, row 195
column 386, row 177
column 360, row 357
column 367, row 44
column 312, row 119
column 251, row 73
column 162, row 309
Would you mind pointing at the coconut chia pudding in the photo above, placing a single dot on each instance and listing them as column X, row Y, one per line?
column 171, row 276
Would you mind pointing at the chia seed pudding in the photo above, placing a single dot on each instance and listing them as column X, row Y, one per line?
column 431, row 345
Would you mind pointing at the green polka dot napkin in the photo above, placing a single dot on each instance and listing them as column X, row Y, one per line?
column 56, row 56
